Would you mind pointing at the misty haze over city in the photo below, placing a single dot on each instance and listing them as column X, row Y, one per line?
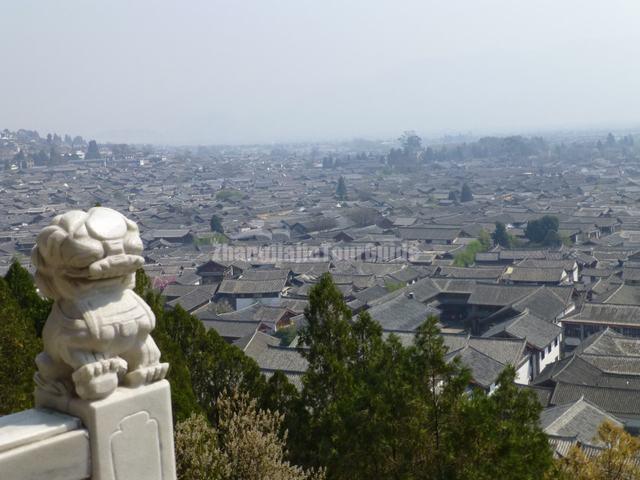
column 212, row 71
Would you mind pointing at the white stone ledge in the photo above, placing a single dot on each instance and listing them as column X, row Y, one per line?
column 39, row 444
column 29, row 426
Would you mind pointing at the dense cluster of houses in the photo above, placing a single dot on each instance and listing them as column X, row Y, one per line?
column 566, row 318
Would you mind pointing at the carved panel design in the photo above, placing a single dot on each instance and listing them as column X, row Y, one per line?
column 135, row 448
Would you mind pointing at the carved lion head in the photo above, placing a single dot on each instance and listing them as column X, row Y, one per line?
column 82, row 250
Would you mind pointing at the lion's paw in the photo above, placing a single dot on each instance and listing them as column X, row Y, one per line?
column 145, row 375
column 98, row 379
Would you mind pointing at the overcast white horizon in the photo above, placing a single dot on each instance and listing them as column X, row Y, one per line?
column 213, row 71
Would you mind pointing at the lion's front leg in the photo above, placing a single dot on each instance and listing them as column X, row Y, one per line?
column 95, row 374
column 144, row 363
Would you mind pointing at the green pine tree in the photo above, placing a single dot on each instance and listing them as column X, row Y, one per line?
column 341, row 189
column 500, row 236
column 19, row 346
column 374, row 408
column 24, row 292
column 216, row 224
column 465, row 193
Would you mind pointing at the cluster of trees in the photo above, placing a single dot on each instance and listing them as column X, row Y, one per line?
column 465, row 195
column 247, row 443
column 363, row 216
column 374, row 408
column 41, row 151
column 369, row 407
column 544, row 231
column 467, row 257
column 501, row 237
column 328, row 162
column 32, row 136
column 611, row 141
column 406, row 158
column 515, row 149
column 58, row 141
column 40, row 157
column 229, row 195
column 92, row 150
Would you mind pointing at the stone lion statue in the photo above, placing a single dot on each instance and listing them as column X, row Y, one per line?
column 98, row 332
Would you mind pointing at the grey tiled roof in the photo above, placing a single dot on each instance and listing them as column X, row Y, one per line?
column 242, row 315
column 505, row 350
column 617, row 401
column 263, row 274
column 607, row 314
column 174, row 290
column 534, row 275
column 269, row 356
column 580, row 419
column 484, row 369
column 401, row 314
column 623, row 295
column 236, row 287
column 358, row 281
column 371, row 293
column 309, row 268
column 475, row 273
column 193, row 299
column 231, row 329
column 175, row 233
column 426, row 233
column 546, row 302
column 536, row 331
column 543, row 394
column 501, row 295
column 293, row 304
column 567, row 264
column 609, row 342
column 595, row 369
column 617, row 365
column 486, row 357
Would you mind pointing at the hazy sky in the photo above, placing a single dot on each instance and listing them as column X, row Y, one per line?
column 213, row 71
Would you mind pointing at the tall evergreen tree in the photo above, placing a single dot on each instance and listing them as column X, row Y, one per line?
column 92, row 150
column 499, row 435
column 377, row 409
column 611, row 140
column 201, row 361
column 183, row 398
column 216, row 224
column 341, row 189
column 465, row 193
column 21, row 283
column 500, row 235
